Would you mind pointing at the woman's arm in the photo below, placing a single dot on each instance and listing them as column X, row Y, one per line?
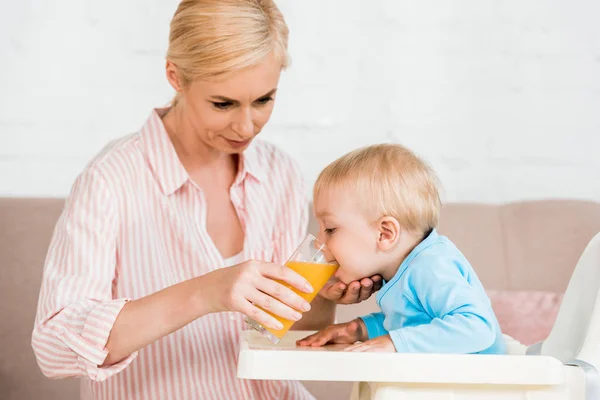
column 81, row 330
column 226, row 289
column 142, row 322
column 76, row 310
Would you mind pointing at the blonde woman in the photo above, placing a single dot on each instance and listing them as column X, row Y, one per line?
column 171, row 235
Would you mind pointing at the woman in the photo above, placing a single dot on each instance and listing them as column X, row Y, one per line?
column 135, row 296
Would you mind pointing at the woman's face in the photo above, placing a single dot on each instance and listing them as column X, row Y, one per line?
column 226, row 114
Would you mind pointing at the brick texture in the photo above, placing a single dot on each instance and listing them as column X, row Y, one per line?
column 502, row 98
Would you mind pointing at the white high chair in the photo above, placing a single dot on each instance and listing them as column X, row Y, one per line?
column 564, row 366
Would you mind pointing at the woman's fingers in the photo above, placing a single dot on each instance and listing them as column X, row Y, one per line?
column 259, row 315
column 273, row 305
column 278, row 291
column 285, row 274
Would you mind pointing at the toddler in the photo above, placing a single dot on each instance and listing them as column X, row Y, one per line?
column 377, row 209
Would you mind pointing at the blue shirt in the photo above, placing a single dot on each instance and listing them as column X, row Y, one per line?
column 436, row 304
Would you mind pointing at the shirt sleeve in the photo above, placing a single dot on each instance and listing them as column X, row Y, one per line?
column 462, row 318
column 292, row 216
column 374, row 324
column 76, row 310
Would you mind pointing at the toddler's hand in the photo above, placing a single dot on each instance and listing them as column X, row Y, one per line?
column 352, row 293
column 380, row 344
column 347, row 333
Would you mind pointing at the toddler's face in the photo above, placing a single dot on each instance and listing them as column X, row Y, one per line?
column 349, row 235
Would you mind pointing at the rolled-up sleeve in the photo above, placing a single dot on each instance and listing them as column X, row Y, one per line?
column 76, row 309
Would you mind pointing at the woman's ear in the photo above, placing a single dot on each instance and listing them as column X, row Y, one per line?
column 173, row 76
column 389, row 230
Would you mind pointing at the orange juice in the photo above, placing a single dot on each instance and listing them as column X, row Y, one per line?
column 317, row 275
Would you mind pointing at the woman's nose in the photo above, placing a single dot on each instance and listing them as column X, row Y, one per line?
column 244, row 124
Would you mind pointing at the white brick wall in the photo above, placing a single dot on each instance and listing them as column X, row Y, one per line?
column 502, row 97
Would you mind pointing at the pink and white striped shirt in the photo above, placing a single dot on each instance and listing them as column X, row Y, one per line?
column 134, row 224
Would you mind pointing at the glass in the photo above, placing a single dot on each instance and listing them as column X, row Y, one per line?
column 314, row 262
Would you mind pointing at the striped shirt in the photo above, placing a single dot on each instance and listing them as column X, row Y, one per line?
column 133, row 224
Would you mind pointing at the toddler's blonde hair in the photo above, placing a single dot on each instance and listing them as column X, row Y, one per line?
column 392, row 180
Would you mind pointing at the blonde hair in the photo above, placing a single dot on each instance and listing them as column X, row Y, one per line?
column 394, row 180
column 211, row 38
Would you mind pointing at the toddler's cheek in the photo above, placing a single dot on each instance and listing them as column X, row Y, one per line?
column 346, row 276
column 341, row 275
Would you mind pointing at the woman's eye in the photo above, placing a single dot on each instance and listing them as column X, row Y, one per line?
column 264, row 100
column 224, row 105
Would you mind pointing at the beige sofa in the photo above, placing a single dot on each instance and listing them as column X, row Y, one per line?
column 531, row 246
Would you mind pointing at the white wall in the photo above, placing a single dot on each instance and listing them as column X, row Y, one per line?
column 502, row 97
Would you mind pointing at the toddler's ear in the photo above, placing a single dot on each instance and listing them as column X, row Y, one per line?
column 389, row 232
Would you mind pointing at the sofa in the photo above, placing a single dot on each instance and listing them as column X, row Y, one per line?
column 523, row 252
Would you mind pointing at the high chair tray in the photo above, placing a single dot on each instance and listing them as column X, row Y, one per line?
column 259, row 359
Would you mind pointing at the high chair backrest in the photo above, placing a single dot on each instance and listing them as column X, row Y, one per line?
column 576, row 332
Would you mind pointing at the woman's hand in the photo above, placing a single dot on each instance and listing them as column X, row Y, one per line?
column 347, row 333
column 354, row 292
column 247, row 286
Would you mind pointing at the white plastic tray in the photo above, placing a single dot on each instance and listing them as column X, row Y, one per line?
column 259, row 359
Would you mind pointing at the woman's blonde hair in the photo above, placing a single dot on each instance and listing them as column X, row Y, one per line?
column 211, row 38
column 392, row 180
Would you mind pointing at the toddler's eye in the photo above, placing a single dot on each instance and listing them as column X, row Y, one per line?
column 329, row 231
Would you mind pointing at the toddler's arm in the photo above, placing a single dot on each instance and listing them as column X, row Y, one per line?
column 346, row 333
column 463, row 320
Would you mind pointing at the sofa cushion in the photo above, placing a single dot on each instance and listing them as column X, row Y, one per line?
column 476, row 229
column 26, row 226
column 526, row 315
column 544, row 240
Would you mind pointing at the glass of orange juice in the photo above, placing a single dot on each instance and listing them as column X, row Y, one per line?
column 314, row 262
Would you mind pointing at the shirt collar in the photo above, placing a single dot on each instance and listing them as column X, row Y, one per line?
column 428, row 241
column 251, row 163
column 166, row 165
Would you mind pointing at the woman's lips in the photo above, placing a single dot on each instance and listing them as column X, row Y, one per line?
column 238, row 143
